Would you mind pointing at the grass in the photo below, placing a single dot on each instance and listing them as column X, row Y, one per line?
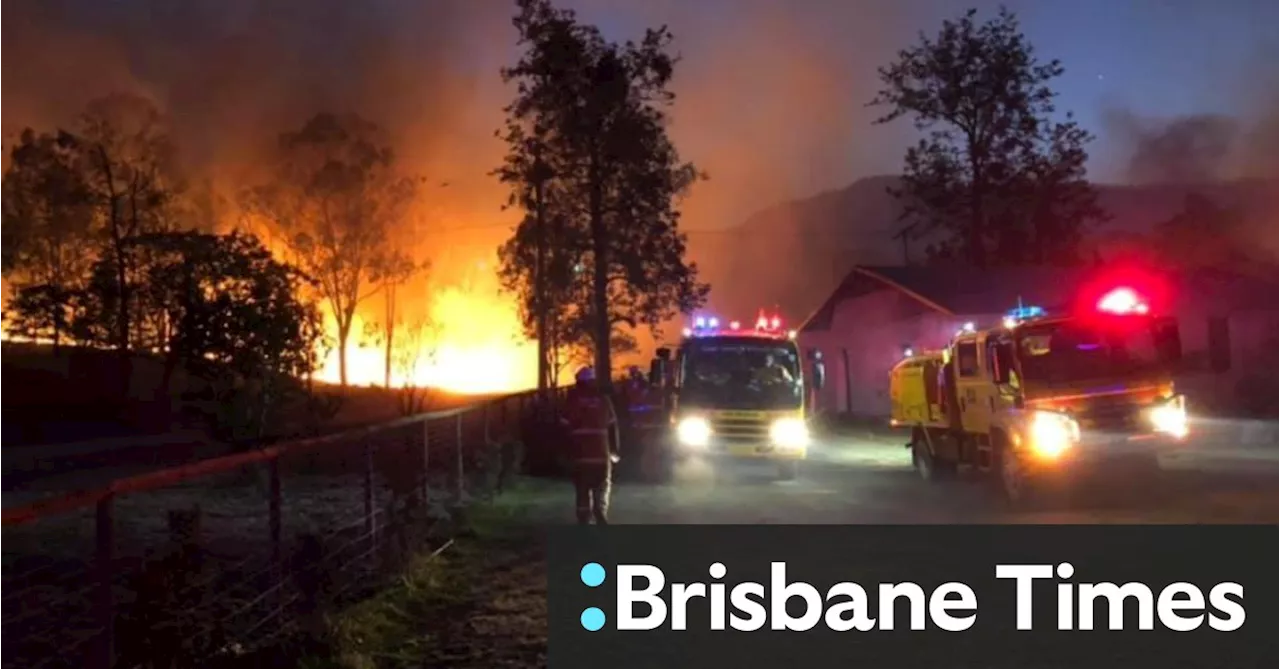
column 479, row 601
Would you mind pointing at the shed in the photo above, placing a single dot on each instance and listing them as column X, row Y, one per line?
column 1228, row 324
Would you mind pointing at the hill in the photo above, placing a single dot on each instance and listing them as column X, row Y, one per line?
column 793, row 254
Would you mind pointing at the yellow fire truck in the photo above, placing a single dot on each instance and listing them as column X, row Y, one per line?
column 1040, row 391
column 736, row 392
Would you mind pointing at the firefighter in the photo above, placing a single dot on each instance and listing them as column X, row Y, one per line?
column 591, row 417
column 772, row 373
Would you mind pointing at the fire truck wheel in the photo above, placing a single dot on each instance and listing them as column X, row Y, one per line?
column 1014, row 482
column 930, row 468
column 787, row 470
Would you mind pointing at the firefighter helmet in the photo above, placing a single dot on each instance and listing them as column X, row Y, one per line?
column 585, row 375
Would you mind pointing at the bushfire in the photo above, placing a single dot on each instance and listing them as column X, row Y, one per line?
column 473, row 344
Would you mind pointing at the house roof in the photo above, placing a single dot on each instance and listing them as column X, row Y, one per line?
column 970, row 291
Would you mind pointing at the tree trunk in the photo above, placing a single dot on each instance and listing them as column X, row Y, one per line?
column 600, row 286
column 344, row 329
column 391, row 329
column 539, row 289
column 125, row 370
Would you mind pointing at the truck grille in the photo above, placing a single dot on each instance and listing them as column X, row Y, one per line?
column 1111, row 417
column 740, row 429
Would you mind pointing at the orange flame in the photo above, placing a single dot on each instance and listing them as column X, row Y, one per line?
column 475, row 345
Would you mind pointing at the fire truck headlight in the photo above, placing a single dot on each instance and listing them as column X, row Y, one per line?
column 1170, row 418
column 693, row 431
column 789, row 433
column 1052, row 433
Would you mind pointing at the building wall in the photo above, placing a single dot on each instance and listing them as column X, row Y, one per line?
column 866, row 339
column 867, row 336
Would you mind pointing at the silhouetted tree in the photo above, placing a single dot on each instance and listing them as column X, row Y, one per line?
column 335, row 195
column 234, row 317
column 416, row 347
column 590, row 159
column 48, row 224
column 994, row 170
column 128, row 162
column 397, row 268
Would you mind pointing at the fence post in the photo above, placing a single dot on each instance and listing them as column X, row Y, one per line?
column 457, row 474
column 274, row 512
column 104, row 604
column 273, row 508
column 426, row 461
column 369, row 525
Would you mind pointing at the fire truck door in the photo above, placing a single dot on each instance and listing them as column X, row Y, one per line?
column 975, row 391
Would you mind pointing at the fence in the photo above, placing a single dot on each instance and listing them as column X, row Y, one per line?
column 183, row 566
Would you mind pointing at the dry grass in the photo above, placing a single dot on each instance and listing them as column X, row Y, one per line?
column 479, row 603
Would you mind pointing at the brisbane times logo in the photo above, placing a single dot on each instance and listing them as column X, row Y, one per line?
column 647, row 601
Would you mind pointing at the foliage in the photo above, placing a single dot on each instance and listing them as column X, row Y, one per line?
column 219, row 307
column 48, row 222
column 334, row 196
column 413, row 350
column 234, row 318
column 40, row 311
column 128, row 161
column 590, row 160
column 995, row 173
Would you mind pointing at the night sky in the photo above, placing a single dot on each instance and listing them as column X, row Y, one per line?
column 771, row 94
column 1154, row 58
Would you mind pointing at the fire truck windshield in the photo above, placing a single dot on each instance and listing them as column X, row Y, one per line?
column 1073, row 352
column 742, row 374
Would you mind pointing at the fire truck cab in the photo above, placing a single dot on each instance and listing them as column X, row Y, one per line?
column 1041, row 391
column 737, row 392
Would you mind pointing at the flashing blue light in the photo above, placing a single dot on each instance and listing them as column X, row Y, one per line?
column 1023, row 313
column 700, row 322
column 714, row 323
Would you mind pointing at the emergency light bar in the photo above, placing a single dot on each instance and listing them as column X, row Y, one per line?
column 765, row 326
column 1014, row 317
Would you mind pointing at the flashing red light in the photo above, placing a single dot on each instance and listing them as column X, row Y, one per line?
column 734, row 325
column 762, row 323
column 777, row 323
column 1122, row 301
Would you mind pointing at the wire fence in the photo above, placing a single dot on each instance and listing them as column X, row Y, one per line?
column 182, row 566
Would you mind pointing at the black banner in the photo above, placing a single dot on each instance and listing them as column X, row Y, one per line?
column 913, row 596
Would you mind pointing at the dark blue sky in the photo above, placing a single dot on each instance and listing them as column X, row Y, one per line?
column 1154, row 58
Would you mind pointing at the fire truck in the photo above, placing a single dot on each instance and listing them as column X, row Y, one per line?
column 736, row 392
column 1041, row 392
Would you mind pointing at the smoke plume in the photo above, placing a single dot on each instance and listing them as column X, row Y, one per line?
column 1189, row 150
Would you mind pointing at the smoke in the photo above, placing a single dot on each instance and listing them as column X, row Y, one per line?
column 1189, row 150
column 770, row 99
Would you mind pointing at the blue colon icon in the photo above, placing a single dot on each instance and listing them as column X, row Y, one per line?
column 592, row 619
column 592, row 574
